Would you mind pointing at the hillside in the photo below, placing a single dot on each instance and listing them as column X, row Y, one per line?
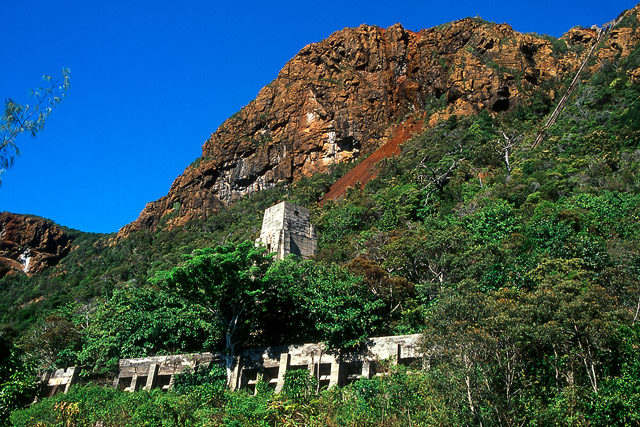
column 519, row 263
column 340, row 99
column 30, row 244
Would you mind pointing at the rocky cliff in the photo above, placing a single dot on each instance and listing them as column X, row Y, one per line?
column 348, row 95
column 30, row 244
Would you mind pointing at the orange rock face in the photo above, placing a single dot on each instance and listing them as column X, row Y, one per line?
column 30, row 244
column 343, row 98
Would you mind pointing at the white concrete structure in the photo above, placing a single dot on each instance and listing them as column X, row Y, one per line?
column 59, row 381
column 270, row 364
column 286, row 229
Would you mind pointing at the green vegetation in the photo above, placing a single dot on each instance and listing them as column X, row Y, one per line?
column 522, row 272
column 228, row 282
column 400, row 398
column 135, row 322
column 18, row 384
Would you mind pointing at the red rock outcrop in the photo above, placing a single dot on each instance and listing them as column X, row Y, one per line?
column 364, row 171
column 30, row 244
column 343, row 98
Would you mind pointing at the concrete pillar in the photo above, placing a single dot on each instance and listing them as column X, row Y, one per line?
column 282, row 369
column 334, row 377
column 259, row 378
column 366, row 369
column 151, row 376
column 53, row 390
column 134, row 380
column 71, row 377
column 234, row 382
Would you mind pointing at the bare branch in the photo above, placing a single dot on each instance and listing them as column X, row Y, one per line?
column 437, row 178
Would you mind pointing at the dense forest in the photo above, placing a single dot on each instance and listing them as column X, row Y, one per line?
column 519, row 264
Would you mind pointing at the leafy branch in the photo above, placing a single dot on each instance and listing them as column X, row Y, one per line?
column 18, row 118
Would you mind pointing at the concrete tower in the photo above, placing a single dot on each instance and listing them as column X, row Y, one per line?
column 286, row 230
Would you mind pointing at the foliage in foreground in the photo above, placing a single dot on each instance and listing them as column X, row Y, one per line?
column 402, row 397
column 18, row 384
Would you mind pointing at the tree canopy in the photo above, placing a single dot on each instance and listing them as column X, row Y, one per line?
column 229, row 282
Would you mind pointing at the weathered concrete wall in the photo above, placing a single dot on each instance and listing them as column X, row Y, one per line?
column 327, row 366
column 269, row 364
column 286, row 229
column 157, row 372
column 60, row 380
column 272, row 363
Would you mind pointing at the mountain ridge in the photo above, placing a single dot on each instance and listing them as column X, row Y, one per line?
column 343, row 97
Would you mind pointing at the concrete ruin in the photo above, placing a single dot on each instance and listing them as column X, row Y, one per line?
column 286, row 229
column 269, row 364
column 59, row 381
column 157, row 372
column 329, row 367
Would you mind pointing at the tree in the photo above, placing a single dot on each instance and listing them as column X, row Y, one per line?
column 18, row 118
column 505, row 147
column 18, row 383
column 344, row 309
column 228, row 281
column 434, row 253
column 395, row 291
column 53, row 342
column 334, row 305
column 141, row 321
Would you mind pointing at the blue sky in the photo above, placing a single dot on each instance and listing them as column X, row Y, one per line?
column 151, row 80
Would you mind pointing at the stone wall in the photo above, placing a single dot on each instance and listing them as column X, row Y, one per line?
column 286, row 229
